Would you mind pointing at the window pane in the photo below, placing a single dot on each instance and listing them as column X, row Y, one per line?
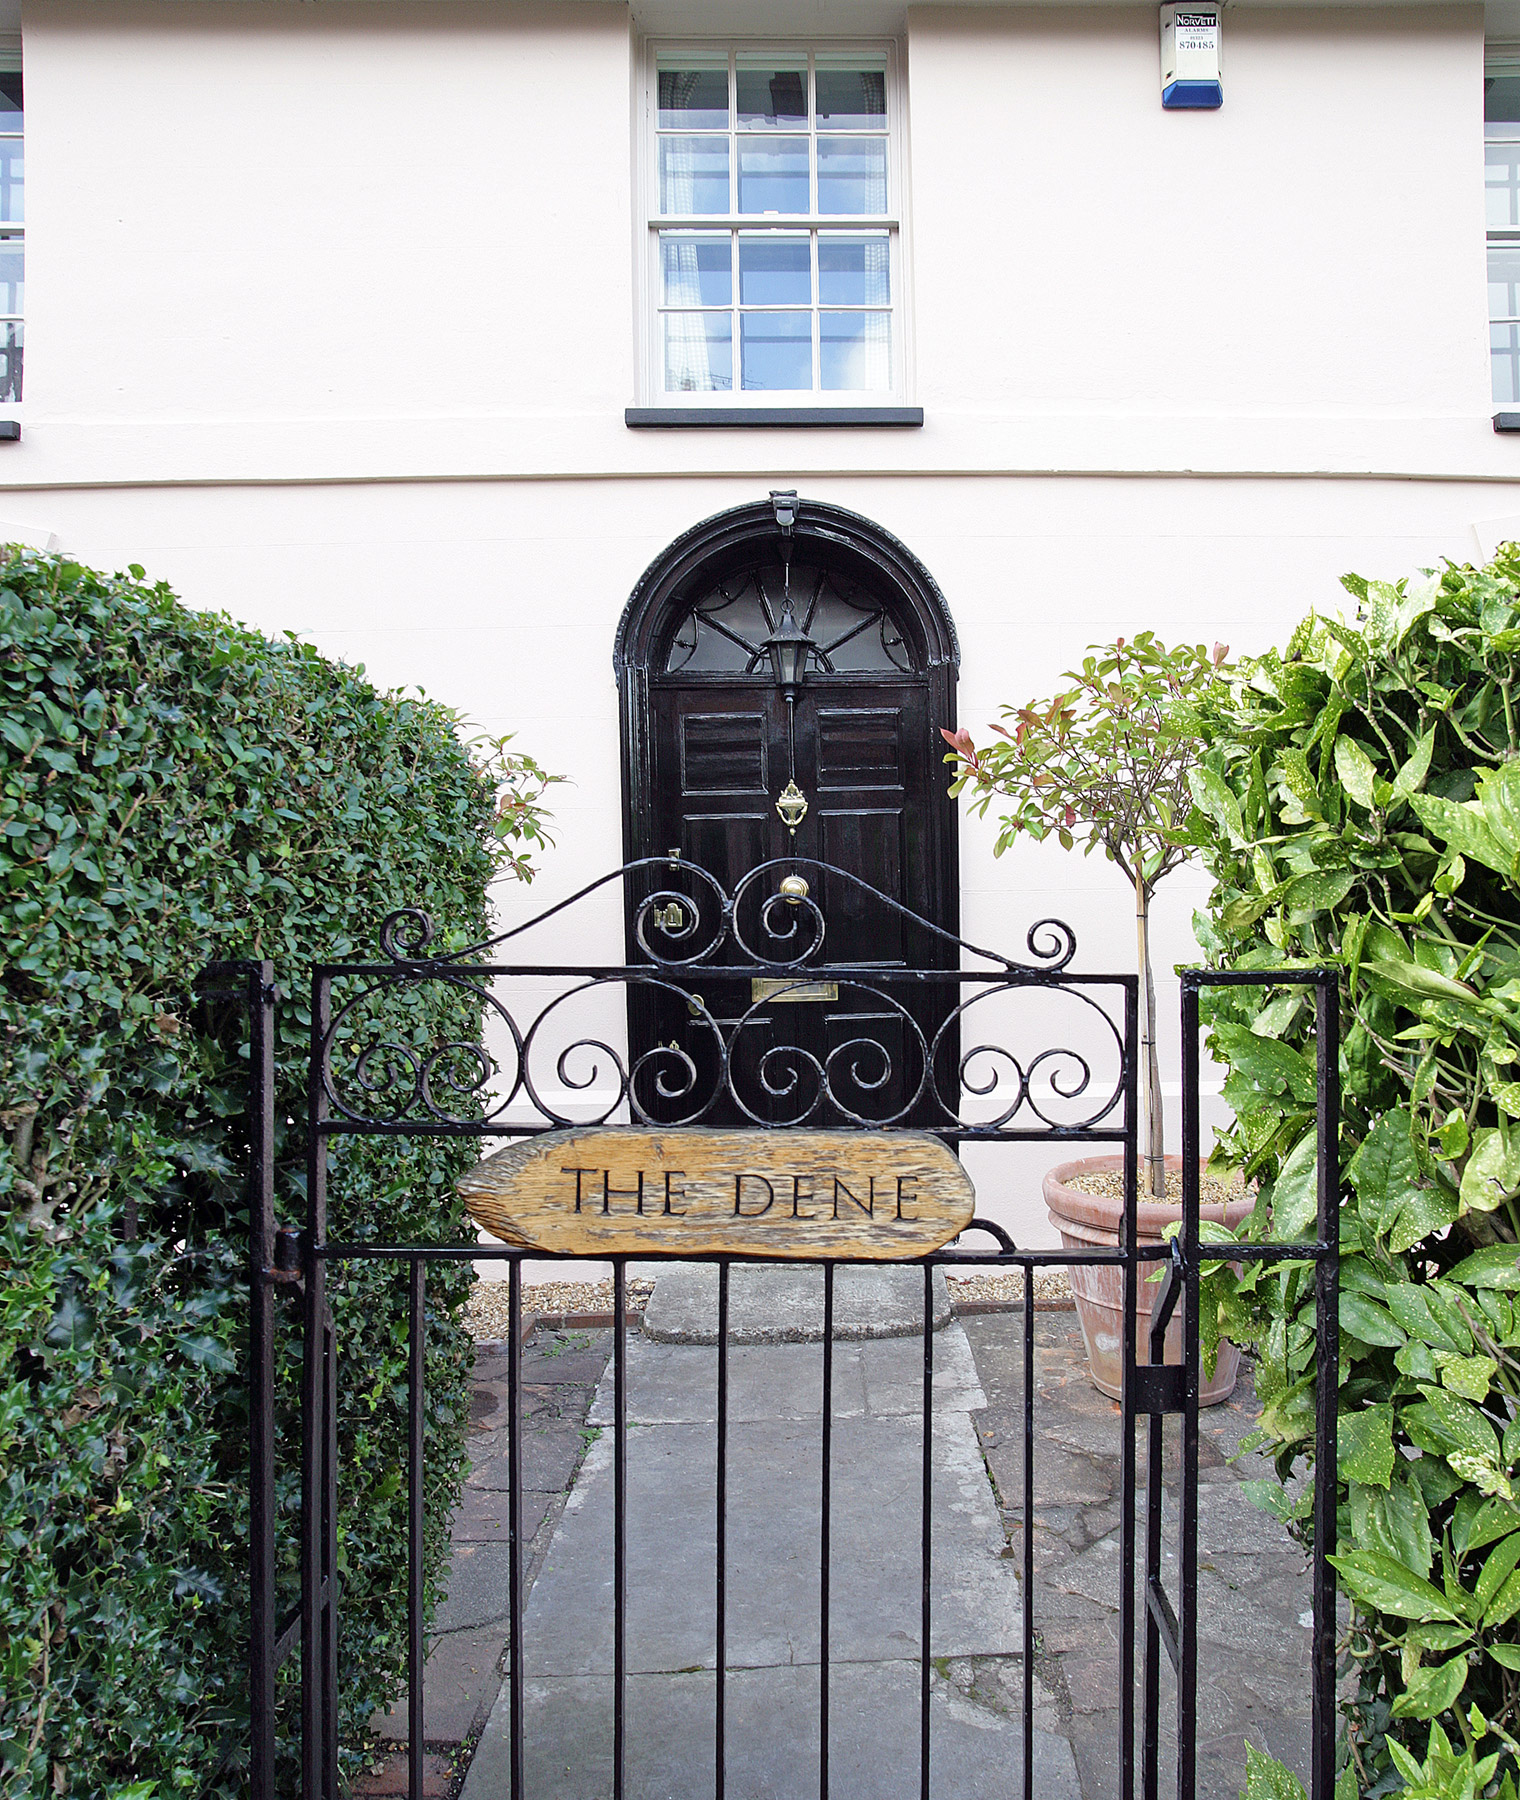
column 771, row 97
column 696, row 271
column 10, row 100
column 855, row 350
column 1505, row 341
column 699, row 353
column 1501, row 95
column 777, row 349
column 10, row 362
column 852, row 175
column 1502, row 176
column 11, row 255
column 775, row 272
column 694, row 99
column 773, row 175
column 852, row 99
column 854, row 271
column 693, row 175
column 1504, row 281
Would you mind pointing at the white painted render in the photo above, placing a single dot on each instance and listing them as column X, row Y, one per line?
column 332, row 321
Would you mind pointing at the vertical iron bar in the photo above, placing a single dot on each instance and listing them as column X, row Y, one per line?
column 415, row 1648
column 720, row 1573
column 825, row 1522
column 330, row 1559
column 1028, row 1788
column 1187, row 1548
column 1130, row 1245
column 261, row 1452
column 1327, row 1323
column 313, row 1396
column 620, row 1519
column 514, row 1524
column 926, row 1566
column 1155, row 1470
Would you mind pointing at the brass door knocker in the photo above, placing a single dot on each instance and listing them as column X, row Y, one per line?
column 792, row 806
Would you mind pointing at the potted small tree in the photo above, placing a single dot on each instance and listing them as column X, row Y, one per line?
column 1105, row 764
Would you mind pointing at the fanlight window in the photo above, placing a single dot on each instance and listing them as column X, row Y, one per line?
column 724, row 632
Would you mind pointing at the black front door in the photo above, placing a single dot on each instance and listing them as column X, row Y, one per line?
column 862, row 747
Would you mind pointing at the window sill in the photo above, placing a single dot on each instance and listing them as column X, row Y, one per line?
column 665, row 417
column 1507, row 421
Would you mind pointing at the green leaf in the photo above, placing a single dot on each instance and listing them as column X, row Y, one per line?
column 1464, row 828
column 1499, row 796
column 1356, row 771
column 1447, row 1424
column 1492, row 1173
column 1425, row 983
column 1411, row 778
column 1214, row 798
column 1507, row 1655
column 1497, row 1568
column 1272, row 1067
column 1506, row 1602
column 1295, row 1193
column 1268, row 1779
column 1387, row 1586
column 1494, row 1266
column 1364, row 1446
column 1320, row 892
column 1432, row 1691
column 1386, row 1172
column 1365, row 1319
column 1469, row 1376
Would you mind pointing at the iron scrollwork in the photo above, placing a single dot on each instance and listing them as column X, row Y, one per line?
column 456, row 1041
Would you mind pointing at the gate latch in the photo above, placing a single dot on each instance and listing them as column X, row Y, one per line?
column 670, row 918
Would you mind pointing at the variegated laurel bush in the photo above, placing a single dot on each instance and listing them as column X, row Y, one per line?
column 1358, row 805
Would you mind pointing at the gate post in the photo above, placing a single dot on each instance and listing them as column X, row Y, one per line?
column 1327, row 1282
column 319, row 1638
column 255, row 989
column 261, row 1522
column 1324, row 1253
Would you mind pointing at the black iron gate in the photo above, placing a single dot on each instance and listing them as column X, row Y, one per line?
column 534, row 1070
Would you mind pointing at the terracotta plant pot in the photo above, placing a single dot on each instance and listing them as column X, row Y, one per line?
column 1092, row 1221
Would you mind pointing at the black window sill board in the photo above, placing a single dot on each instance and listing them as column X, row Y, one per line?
column 663, row 418
column 1507, row 421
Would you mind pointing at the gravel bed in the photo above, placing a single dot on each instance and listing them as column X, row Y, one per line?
column 1214, row 1190
column 486, row 1313
column 1052, row 1287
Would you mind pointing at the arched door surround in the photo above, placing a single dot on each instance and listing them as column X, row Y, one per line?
column 875, row 600
column 738, row 754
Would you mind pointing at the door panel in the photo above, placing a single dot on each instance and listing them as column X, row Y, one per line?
column 862, row 757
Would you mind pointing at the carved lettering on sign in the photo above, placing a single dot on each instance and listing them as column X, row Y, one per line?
column 608, row 1191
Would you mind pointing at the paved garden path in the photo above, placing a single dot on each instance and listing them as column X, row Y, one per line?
column 1254, row 1590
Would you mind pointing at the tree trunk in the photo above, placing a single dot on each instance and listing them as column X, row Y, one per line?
column 1154, row 1142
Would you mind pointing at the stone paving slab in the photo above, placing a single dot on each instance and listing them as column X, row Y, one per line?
column 780, row 1304
column 773, row 1550
column 771, row 1740
column 1253, row 1582
column 669, row 1384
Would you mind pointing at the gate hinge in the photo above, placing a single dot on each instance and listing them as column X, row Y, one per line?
column 287, row 1256
column 1159, row 1387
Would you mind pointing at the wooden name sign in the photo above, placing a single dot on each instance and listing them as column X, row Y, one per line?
column 632, row 1190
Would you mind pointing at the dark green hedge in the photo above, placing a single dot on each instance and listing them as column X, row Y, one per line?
column 177, row 788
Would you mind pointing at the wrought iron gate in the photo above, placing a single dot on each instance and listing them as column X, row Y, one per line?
column 534, row 1070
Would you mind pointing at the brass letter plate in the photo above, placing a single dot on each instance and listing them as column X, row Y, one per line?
column 784, row 992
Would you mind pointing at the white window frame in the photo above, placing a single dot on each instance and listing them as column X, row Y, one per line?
column 649, row 223
column 1505, row 61
column 14, row 324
